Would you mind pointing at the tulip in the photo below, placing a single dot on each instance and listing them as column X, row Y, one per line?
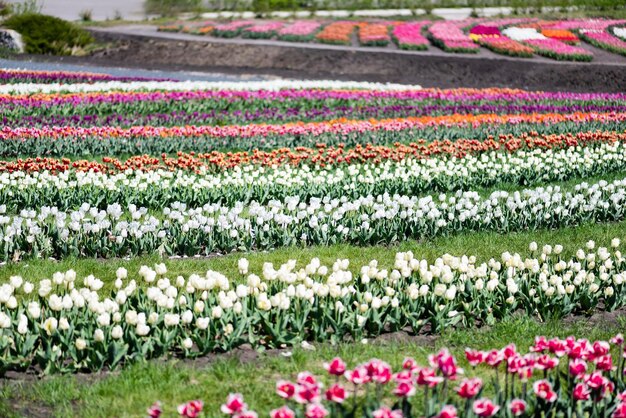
column 485, row 407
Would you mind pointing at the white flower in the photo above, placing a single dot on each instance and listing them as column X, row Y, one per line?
column 80, row 344
column 171, row 320
column 98, row 335
column 5, row 320
column 160, row 269
column 50, row 325
column 187, row 343
column 243, row 265
column 121, row 273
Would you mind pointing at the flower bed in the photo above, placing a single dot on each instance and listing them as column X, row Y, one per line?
column 604, row 40
column 64, row 77
column 374, row 34
column 450, row 37
column 562, row 35
column 151, row 314
column 264, row 30
column 490, row 37
column 548, row 47
column 299, row 31
column 558, row 377
column 338, row 33
column 409, row 35
column 231, row 29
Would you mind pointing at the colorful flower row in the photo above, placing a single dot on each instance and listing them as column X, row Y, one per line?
column 264, row 30
column 604, row 40
column 490, row 37
column 145, row 182
column 374, row 34
column 549, row 47
column 67, row 323
column 63, row 77
column 409, row 35
column 450, row 37
column 231, row 29
column 209, row 87
column 299, row 31
column 339, row 33
column 562, row 35
column 590, row 382
column 364, row 220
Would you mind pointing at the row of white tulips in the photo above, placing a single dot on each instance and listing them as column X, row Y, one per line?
column 243, row 184
column 271, row 85
column 178, row 229
column 150, row 314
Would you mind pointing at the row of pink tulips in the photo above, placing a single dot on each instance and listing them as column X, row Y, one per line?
column 450, row 37
column 409, row 35
column 575, row 378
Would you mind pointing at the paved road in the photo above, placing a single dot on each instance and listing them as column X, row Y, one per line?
column 128, row 72
column 100, row 9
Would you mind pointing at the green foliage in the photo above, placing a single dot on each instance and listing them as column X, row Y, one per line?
column 47, row 34
column 171, row 7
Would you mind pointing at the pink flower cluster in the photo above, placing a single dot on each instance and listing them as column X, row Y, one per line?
column 559, row 50
column 270, row 27
column 604, row 40
column 409, row 35
column 577, row 376
column 450, row 37
column 300, row 30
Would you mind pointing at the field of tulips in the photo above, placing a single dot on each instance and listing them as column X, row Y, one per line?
column 521, row 37
column 148, row 177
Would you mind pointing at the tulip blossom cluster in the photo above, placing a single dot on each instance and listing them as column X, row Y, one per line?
column 72, row 318
column 491, row 38
column 263, row 30
column 339, row 33
column 63, row 77
column 231, row 29
column 603, row 39
column 299, row 31
column 31, row 183
column 409, row 35
column 449, row 36
column 555, row 377
column 374, row 34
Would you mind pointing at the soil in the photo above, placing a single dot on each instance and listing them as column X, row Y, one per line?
column 142, row 46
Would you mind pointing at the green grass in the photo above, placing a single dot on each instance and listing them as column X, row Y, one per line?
column 131, row 391
column 484, row 245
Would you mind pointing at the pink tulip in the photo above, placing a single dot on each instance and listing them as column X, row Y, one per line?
column 448, row 411
column 469, row 388
column 600, row 348
column 155, row 410
column 517, row 407
column 234, row 404
column 557, row 347
column 307, row 393
column 358, row 376
column 577, row 367
column 404, row 390
column 282, row 412
column 485, row 408
column 604, row 363
column 246, row 414
column 445, row 362
column 428, row 377
column 545, row 362
column 509, row 351
column 620, row 411
column 336, row 393
column 618, row 339
column 285, row 389
column 409, row 364
column 336, row 367
column 190, row 409
column 494, row 358
column 384, row 412
column 378, row 371
column 474, row 357
column 315, row 411
column 543, row 390
column 581, row 392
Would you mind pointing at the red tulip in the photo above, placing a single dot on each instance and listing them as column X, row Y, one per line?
column 285, row 389
column 282, row 412
column 190, row 409
column 517, row 407
column 545, row 362
column 155, row 410
column 474, row 357
column 620, row 411
column 384, row 412
column 577, row 368
column 378, row 371
column 581, row 392
column 336, row 393
column 448, row 411
column 336, row 367
column 604, row 363
column 469, row 388
column 428, row 377
column 404, row 390
column 485, row 408
column 543, row 390
column 315, row 411
column 358, row 376
column 234, row 404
